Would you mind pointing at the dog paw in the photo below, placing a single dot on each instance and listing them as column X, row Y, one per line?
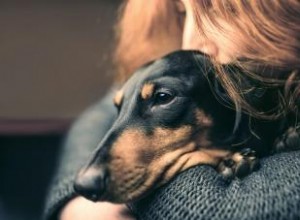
column 290, row 140
column 239, row 164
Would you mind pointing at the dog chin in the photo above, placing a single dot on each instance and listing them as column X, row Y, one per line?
column 135, row 183
column 124, row 195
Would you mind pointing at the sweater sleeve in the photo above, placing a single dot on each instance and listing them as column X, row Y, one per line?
column 82, row 139
column 272, row 192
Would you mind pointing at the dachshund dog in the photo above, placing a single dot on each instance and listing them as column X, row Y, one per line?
column 170, row 119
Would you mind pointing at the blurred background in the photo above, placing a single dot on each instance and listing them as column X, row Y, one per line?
column 55, row 61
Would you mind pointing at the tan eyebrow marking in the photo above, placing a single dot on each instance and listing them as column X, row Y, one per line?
column 203, row 119
column 147, row 90
column 119, row 98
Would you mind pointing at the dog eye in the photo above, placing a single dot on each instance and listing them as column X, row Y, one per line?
column 161, row 98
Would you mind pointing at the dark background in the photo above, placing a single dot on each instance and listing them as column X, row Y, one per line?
column 26, row 165
column 55, row 61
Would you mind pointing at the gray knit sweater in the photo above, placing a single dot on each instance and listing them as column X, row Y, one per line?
column 273, row 192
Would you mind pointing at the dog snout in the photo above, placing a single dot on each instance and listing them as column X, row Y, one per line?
column 91, row 182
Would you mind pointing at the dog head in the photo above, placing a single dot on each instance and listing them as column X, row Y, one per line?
column 166, row 110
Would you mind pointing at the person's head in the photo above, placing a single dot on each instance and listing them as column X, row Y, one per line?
column 251, row 34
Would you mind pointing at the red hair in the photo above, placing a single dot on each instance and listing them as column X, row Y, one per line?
column 269, row 31
column 146, row 30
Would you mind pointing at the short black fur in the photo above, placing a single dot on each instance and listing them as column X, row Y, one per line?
column 190, row 78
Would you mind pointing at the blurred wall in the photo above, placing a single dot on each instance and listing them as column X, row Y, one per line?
column 54, row 56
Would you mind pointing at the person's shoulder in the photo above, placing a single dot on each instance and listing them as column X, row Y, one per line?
column 272, row 192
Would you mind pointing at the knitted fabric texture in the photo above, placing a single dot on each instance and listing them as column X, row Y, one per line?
column 273, row 192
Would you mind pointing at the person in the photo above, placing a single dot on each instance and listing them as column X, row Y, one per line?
column 262, row 38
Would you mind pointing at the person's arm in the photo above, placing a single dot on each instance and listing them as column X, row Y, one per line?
column 272, row 192
column 83, row 138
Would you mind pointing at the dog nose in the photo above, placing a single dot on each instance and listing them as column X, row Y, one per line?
column 91, row 183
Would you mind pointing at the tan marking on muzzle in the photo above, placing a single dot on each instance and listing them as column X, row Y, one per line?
column 147, row 91
column 165, row 137
column 139, row 160
column 128, row 144
column 133, row 142
column 119, row 98
column 203, row 119
column 135, row 147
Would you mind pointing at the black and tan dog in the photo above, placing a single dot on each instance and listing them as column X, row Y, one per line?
column 170, row 119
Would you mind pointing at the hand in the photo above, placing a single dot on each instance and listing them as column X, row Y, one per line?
column 82, row 209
